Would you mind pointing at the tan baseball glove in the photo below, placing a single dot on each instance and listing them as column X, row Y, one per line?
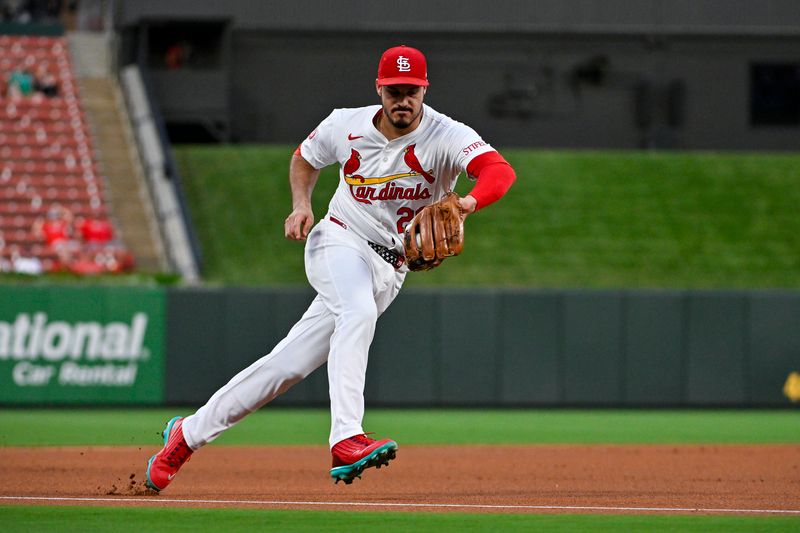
column 435, row 233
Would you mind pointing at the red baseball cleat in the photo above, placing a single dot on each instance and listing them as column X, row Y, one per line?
column 163, row 466
column 352, row 455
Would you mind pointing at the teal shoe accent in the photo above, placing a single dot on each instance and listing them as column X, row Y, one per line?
column 148, row 483
column 168, row 429
column 379, row 457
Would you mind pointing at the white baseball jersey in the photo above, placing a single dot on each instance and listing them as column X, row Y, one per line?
column 382, row 183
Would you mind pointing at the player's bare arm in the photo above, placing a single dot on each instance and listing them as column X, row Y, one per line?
column 302, row 179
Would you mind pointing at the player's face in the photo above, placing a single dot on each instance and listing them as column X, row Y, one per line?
column 402, row 104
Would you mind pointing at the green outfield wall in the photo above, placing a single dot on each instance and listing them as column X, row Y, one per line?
column 432, row 347
column 446, row 347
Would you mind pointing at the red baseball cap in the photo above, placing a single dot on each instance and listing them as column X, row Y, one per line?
column 403, row 65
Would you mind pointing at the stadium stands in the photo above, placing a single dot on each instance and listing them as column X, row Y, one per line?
column 48, row 168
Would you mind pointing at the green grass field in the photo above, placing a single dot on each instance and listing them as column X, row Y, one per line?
column 572, row 219
column 31, row 519
column 42, row 427
column 38, row 427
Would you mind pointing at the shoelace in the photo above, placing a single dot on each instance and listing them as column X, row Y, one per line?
column 178, row 455
column 363, row 439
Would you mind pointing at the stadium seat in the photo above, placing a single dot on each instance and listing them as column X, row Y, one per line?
column 47, row 162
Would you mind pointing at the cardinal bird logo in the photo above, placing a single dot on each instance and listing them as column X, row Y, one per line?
column 352, row 164
column 349, row 169
column 413, row 163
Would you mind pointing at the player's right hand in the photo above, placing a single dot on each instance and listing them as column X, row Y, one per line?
column 298, row 224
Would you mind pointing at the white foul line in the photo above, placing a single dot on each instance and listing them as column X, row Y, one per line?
column 412, row 505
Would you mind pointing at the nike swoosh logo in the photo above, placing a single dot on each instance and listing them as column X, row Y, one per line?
column 170, row 476
column 352, row 137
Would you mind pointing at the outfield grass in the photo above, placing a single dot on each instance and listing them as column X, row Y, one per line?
column 35, row 427
column 572, row 219
column 76, row 519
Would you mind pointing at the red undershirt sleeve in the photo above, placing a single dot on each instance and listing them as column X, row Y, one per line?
column 494, row 177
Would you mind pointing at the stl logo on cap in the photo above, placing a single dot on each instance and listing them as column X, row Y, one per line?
column 403, row 65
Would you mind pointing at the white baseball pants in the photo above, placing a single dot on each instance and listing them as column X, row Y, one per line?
column 354, row 286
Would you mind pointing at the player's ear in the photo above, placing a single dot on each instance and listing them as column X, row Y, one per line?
column 377, row 87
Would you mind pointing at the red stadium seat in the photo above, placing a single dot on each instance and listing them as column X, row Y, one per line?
column 47, row 158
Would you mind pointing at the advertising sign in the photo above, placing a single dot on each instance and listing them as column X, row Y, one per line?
column 81, row 345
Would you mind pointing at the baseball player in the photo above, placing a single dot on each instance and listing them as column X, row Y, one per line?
column 395, row 158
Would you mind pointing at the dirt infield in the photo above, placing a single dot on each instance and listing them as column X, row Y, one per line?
column 731, row 477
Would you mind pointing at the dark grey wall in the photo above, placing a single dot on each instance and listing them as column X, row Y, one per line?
column 512, row 347
column 477, row 16
column 292, row 62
